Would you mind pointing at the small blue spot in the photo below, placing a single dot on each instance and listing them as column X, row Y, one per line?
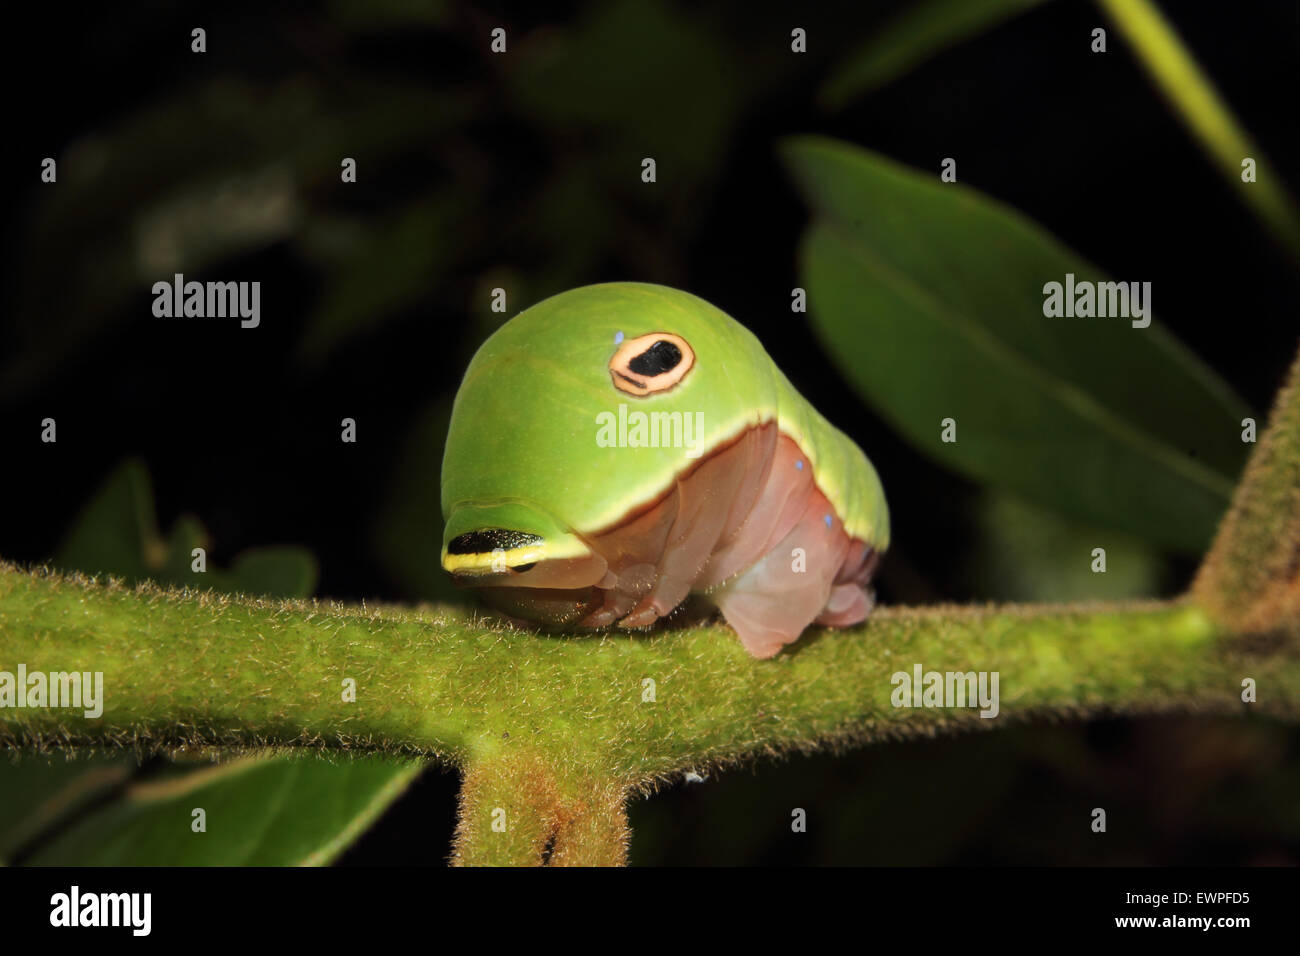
column 827, row 519
column 798, row 465
column 618, row 338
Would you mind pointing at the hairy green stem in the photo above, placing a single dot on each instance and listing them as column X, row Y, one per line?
column 515, row 810
column 1250, row 580
column 185, row 669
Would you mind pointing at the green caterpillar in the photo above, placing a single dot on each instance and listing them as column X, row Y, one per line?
column 618, row 447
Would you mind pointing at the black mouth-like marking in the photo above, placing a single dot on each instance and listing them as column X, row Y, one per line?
column 657, row 359
column 489, row 539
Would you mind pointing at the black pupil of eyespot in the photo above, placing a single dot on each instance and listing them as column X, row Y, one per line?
column 657, row 359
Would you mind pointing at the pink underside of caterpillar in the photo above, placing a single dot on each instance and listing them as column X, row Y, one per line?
column 747, row 527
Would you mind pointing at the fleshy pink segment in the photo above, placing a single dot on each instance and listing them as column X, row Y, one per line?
column 749, row 527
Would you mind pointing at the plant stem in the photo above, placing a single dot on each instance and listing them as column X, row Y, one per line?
column 1250, row 580
column 515, row 810
column 183, row 669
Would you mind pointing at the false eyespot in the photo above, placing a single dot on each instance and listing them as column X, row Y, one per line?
column 651, row 363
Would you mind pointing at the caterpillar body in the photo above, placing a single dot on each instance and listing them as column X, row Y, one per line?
column 618, row 447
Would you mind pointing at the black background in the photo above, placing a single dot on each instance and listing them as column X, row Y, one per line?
column 236, row 430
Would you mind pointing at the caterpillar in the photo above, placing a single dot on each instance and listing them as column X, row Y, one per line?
column 618, row 447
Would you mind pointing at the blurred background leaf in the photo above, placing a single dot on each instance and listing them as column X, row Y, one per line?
column 927, row 27
column 280, row 811
column 412, row 249
column 929, row 299
column 922, row 30
column 1183, row 83
column 37, row 791
column 1027, row 553
column 117, row 533
column 287, row 811
column 622, row 43
column 199, row 178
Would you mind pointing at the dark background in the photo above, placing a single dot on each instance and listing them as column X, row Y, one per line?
column 522, row 171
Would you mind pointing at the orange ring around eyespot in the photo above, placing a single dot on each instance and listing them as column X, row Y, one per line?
column 638, row 384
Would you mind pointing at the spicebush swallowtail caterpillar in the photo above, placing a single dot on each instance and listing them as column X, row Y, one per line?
column 618, row 447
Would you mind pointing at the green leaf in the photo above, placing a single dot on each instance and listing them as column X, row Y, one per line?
column 187, row 534
column 285, row 812
column 929, row 299
column 38, row 791
column 115, row 530
column 277, row 572
column 1189, row 91
column 117, row 533
column 623, row 43
column 412, row 250
column 1026, row 553
column 919, row 32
